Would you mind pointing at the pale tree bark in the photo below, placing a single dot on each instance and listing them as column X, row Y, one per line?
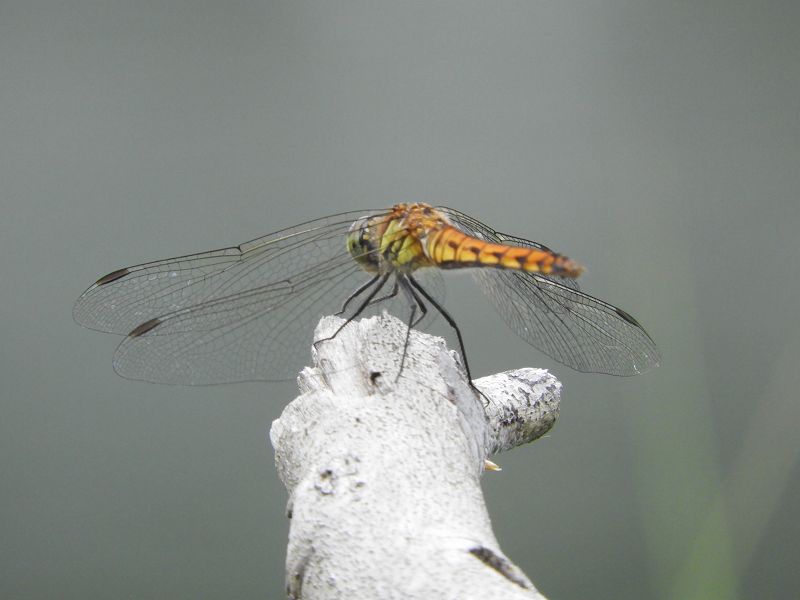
column 383, row 470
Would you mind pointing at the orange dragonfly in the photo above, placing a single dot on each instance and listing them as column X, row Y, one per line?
column 247, row 312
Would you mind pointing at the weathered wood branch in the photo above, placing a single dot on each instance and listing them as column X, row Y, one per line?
column 383, row 470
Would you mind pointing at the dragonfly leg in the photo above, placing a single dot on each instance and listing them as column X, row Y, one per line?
column 360, row 291
column 447, row 317
column 391, row 294
column 452, row 324
column 381, row 282
column 415, row 304
column 405, row 344
column 357, row 293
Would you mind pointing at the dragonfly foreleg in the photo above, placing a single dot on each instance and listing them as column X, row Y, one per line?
column 381, row 279
column 388, row 296
column 360, row 290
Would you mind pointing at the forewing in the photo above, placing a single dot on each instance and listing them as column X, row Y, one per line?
column 235, row 314
column 124, row 299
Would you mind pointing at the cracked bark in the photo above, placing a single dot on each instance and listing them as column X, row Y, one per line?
column 383, row 471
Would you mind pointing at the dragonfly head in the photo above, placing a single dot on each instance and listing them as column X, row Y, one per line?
column 363, row 243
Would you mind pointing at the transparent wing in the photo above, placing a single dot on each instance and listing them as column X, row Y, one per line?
column 124, row 299
column 551, row 314
column 234, row 314
column 258, row 334
column 572, row 327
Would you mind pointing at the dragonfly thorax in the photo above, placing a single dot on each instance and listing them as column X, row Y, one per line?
column 394, row 242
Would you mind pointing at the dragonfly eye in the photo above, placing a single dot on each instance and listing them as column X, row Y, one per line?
column 363, row 245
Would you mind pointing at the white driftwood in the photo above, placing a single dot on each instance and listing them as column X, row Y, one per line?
column 383, row 471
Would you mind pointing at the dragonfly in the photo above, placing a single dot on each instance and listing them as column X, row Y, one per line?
column 246, row 312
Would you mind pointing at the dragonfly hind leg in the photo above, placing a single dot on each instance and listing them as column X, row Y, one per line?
column 452, row 324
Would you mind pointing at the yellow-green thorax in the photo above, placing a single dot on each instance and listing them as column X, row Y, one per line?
column 396, row 241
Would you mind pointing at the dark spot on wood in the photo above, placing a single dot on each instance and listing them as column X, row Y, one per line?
column 373, row 376
column 511, row 418
column 499, row 564
column 294, row 584
column 112, row 277
column 145, row 327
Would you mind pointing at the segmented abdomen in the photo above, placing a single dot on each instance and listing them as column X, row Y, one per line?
column 450, row 248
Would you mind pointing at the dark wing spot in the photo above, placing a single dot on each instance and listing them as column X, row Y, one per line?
column 628, row 318
column 145, row 327
column 112, row 277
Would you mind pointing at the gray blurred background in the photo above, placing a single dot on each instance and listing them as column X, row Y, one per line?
column 656, row 142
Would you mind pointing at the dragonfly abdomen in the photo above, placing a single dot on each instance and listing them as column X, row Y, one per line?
column 450, row 248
